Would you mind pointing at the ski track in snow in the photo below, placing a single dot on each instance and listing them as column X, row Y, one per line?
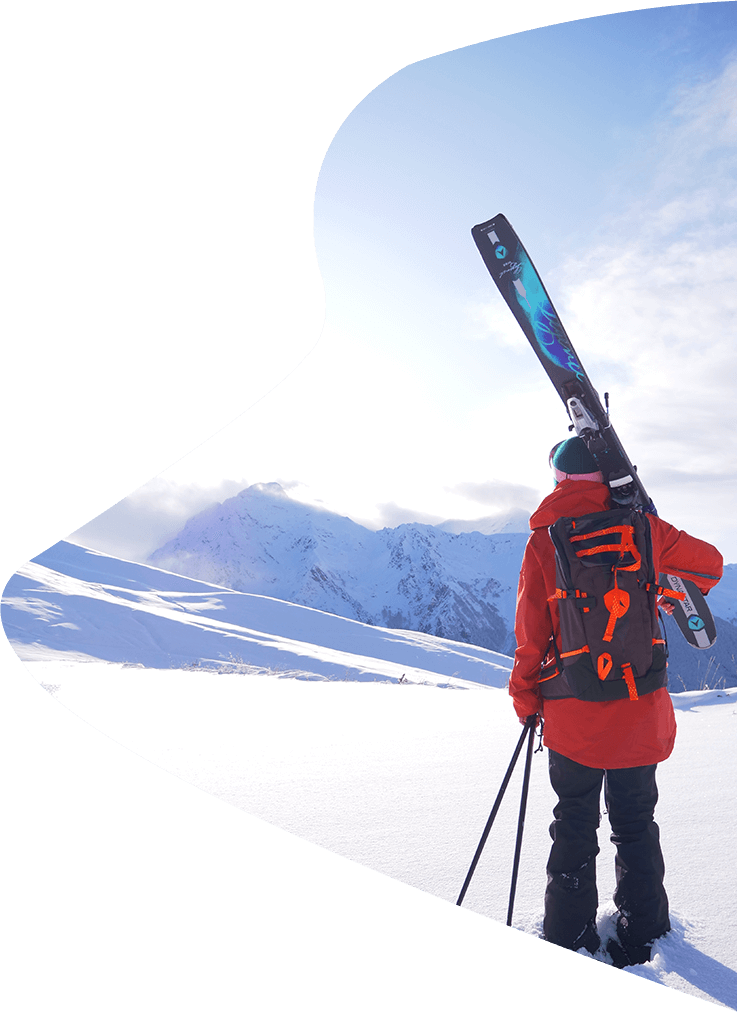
column 398, row 777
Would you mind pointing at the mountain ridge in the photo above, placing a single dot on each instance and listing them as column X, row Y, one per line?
column 455, row 585
column 458, row 586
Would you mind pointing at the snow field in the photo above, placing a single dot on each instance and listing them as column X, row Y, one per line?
column 343, row 735
column 401, row 779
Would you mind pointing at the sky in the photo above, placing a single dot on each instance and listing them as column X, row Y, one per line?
column 609, row 143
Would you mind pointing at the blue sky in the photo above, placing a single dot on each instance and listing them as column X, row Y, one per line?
column 609, row 144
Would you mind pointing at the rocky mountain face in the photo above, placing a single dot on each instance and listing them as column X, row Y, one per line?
column 415, row 576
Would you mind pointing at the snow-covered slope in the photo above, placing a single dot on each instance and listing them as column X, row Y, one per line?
column 76, row 601
column 393, row 775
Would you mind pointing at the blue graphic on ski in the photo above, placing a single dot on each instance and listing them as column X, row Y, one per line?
column 522, row 289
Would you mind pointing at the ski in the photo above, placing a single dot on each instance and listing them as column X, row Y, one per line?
column 692, row 615
column 521, row 287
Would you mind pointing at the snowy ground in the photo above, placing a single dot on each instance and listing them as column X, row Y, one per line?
column 396, row 775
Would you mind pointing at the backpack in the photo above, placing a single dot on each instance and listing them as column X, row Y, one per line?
column 612, row 644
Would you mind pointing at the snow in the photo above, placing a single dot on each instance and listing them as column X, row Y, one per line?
column 126, row 611
column 456, row 580
column 251, row 839
column 418, row 576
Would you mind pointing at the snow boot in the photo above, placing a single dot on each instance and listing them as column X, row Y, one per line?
column 623, row 955
column 588, row 939
column 626, row 951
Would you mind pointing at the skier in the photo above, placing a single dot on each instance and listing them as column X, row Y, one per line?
column 615, row 741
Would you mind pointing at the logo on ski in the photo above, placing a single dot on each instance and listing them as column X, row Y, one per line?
column 501, row 252
column 692, row 614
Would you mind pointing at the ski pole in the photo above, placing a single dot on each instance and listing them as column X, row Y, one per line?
column 528, row 728
column 521, row 821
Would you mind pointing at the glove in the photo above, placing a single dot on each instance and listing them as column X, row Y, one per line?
column 523, row 720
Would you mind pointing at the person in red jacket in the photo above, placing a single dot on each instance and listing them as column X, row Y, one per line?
column 617, row 742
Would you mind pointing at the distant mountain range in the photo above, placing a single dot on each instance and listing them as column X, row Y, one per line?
column 456, row 580
column 459, row 586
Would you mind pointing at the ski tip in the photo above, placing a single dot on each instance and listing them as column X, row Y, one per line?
column 484, row 226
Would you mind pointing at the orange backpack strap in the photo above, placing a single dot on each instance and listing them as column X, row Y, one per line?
column 665, row 591
column 629, row 678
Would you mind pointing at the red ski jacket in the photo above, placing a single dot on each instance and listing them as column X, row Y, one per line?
column 609, row 735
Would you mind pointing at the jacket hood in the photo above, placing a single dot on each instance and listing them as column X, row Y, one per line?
column 571, row 499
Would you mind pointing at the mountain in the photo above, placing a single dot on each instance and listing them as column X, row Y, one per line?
column 457, row 586
column 723, row 597
column 443, row 580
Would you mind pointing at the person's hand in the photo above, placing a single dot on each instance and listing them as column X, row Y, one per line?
column 667, row 606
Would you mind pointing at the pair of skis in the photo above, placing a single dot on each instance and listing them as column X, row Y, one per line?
column 522, row 289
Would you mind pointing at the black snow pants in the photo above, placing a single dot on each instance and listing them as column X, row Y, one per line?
column 571, row 897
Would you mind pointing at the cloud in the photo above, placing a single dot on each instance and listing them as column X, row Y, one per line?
column 148, row 517
column 497, row 495
column 703, row 123
column 652, row 310
column 389, row 514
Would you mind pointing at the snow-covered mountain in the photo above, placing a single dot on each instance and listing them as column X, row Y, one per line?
column 448, row 580
column 459, row 586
